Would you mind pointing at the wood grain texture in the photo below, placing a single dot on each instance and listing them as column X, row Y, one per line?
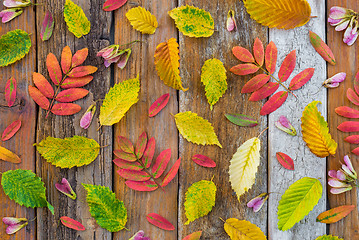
column 194, row 52
column 161, row 127
column 306, row 163
column 98, row 172
column 347, row 61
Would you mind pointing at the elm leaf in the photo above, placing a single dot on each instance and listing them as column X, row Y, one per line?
column 14, row 45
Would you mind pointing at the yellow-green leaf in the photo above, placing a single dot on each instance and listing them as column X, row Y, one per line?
column 142, row 20
column 328, row 237
column 214, row 79
column 316, row 132
column 200, row 199
column 14, row 45
column 297, row 201
column 76, row 19
column 243, row 230
column 192, row 21
column 196, row 129
column 244, row 165
column 119, row 100
column 279, row 13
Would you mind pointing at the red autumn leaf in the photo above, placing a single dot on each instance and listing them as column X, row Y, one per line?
column 76, row 82
column 79, row 57
column 356, row 151
column 160, row 221
column 134, row 175
column 194, row 236
column 72, row 94
column 301, row 78
column 39, row 98
column 353, row 139
column 129, row 157
column 146, row 186
column 71, row 223
column 149, row 152
column 127, row 165
column 158, row 105
column 258, row 51
column 141, row 145
column 322, row 48
column 274, row 102
column 335, row 214
column 244, row 69
column 347, row 112
column 10, row 91
column 352, row 96
column 350, row 126
column 356, row 83
column 285, row 160
column 243, row 54
column 66, row 59
column 171, row 173
column 125, row 145
column 264, row 92
column 271, row 57
column 11, row 130
column 54, row 69
column 161, row 163
column 82, row 71
column 65, row 109
column 43, row 85
column 287, row 66
column 111, row 5
column 255, row 83
column 203, row 161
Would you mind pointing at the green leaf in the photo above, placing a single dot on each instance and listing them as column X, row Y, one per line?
column 192, row 21
column 69, row 152
column 297, row 201
column 200, row 199
column 214, row 79
column 76, row 19
column 118, row 101
column 109, row 212
column 25, row 188
column 14, row 46
column 328, row 237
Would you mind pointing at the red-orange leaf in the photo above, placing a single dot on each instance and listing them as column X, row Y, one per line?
column 11, row 130
column 39, row 98
column 79, row 57
column 134, row 175
column 285, row 160
column 171, row 173
column 194, row 236
column 127, row 165
column 350, row 126
column 353, row 139
column 111, row 5
column 71, row 223
column 352, row 96
column 271, row 57
column 356, row 151
column 72, row 94
column 287, row 66
column 244, row 69
column 10, row 91
column 161, row 163
column 82, row 71
column 146, row 186
column 356, row 83
column 203, row 161
column 274, row 102
column 301, row 78
column 264, row 92
column 76, row 82
column 160, row 221
column 322, row 48
column 53, row 68
column 158, row 105
column 347, row 112
column 255, row 83
column 65, row 109
column 125, row 145
column 258, row 51
column 43, row 85
column 335, row 214
column 149, row 152
column 130, row 157
column 243, row 54
column 141, row 145
column 66, row 59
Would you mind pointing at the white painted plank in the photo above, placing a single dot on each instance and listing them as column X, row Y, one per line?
column 306, row 163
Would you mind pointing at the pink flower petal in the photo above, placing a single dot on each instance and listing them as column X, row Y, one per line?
column 253, row 202
column 334, row 22
column 340, row 190
column 14, row 228
column 339, row 77
column 337, row 12
column 13, row 220
column 86, row 119
column 13, row 3
column 332, row 173
column 348, row 163
column 340, row 175
column 66, row 188
column 336, row 183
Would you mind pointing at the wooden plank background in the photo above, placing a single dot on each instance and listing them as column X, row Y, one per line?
column 113, row 27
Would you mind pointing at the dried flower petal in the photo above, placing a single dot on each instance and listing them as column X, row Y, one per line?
column 14, row 3
column 86, row 119
column 284, row 125
column 231, row 21
column 334, row 81
column 257, row 202
column 140, row 235
column 14, row 224
column 9, row 14
column 66, row 188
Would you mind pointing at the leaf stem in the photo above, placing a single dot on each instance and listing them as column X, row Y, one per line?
column 263, row 131
column 135, row 41
column 222, row 220
column 145, row 169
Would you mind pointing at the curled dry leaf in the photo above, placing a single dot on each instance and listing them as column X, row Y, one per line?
column 10, row 91
column 242, row 120
column 285, row 160
column 71, row 223
column 335, row 214
column 10, row 131
column 158, row 105
column 322, row 48
column 203, row 161
column 160, row 221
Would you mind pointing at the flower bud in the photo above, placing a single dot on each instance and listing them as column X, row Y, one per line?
column 334, row 81
column 231, row 21
column 9, row 14
column 284, row 125
column 14, row 224
column 86, row 119
column 66, row 188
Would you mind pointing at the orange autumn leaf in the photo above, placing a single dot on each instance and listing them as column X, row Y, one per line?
column 82, row 71
column 76, row 82
column 65, row 109
column 43, row 85
column 72, row 94
column 287, row 66
column 54, row 69
column 322, row 48
column 243, row 54
column 274, row 102
column 39, row 98
column 66, row 59
column 271, row 56
column 258, row 51
column 71, row 223
column 244, row 69
column 79, row 57
column 335, row 214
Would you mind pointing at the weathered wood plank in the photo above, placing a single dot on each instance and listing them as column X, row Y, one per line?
column 194, row 52
column 161, row 127
column 347, row 61
column 306, row 163
column 100, row 171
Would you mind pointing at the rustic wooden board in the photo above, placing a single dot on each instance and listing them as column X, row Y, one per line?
column 194, row 52
column 347, row 61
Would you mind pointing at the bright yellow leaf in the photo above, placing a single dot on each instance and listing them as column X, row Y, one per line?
column 142, row 20
column 243, row 230
column 76, row 19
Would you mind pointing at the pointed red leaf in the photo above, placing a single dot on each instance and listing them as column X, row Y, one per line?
column 171, row 173
column 111, row 5
column 356, row 83
column 287, row 66
column 134, row 175
column 129, row 157
column 11, row 130
column 127, row 165
column 53, row 68
column 347, row 112
column 82, row 71
column 356, row 151
column 203, row 161
column 285, row 160
column 335, row 214
column 79, row 57
column 244, row 69
column 10, row 91
column 274, row 102
column 350, row 126
column 161, row 163
column 72, row 94
column 194, row 236
column 66, row 59
column 264, row 92
column 71, row 223
column 39, row 98
column 43, row 85
column 158, row 105
column 322, row 48
column 243, row 54
column 271, row 57
column 149, row 152
column 255, row 83
column 352, row 96
column 47, row 27
column 76, row 82
column 125, row 145
column 141, row 145
column 146, row 186
column 65, row 109
column 353, row 139
column 301, row 78
column 258, row 51
column 160, row 221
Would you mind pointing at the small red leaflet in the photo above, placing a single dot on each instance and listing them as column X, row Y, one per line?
column 285, row 160
column 158, row 105
column 194, row 236
column 71, row 223
column 160, row 221
column 111, row 5
column 146, row 186
column 10, row 131
column 10, row 91
column 203, row 161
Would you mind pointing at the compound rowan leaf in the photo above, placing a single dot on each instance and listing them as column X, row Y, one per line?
column 109, row 212
column 242, row 120
column 111, row 5
column 271, row 56
column 193, row 236
column 347, row 112
column 200, row 199
column 279, row 13
column 161, row 163
column 14, row 45
column 171, row 173
column 328, row 237
column 264, row 92
column 8, row 156
column 285, row 160
column 255, row 83
column 242, row 229
column 322, row 48
column 301, row 78
column 352, row 96
column 297, row 201
column 203, row 161
column 76, row 19
column 142, row 20
column 72, row 94
column 119, row 100
column 69, row 152
column 160, row 221
column 244, row 69
column 258, row 51
column 274, row 102
column 244, row 165
column 243, row 54
column 10, row 91
column 39, row 98
column 146, row 186
column 196, row 129
column 11, row 130
column 158, row 105
column 82, row 71
column 79, row 57
column 53, row 68
column 192, row 21
column 287, row 66
column 349, row 126
column 65, row 109
column 47, row 26
column 353, row 139
column 167, row 64
column 316, row 132
column 66, row 59
column 76, row 82
column 133, row 175
column 71, row 223
column 335, row 214
column 43, row 85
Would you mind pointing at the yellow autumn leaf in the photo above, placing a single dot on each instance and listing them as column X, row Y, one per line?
column 167, row 64
column 279, row 13
column 9, row 156
column 76, row 19
column 142, row 20
column 243, row 230
column 244, row 165
column 316, row 132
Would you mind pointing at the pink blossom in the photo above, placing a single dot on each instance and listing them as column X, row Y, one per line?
column 113, row 54
column 66, row 188
column 9, row 14
column 86, row 119
column 14, row 224
column 334, row 81
column 337, row 12
column 284, row 125
column 351, row 34
column 140, row 235
column 258, row 202
column 14, row 3
column 231, row 21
